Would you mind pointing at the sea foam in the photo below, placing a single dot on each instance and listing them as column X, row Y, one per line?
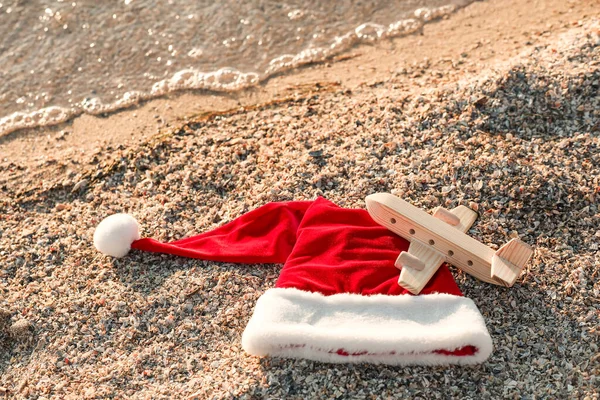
column 225, row 79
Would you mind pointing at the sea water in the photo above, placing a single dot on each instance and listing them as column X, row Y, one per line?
column 62, row 58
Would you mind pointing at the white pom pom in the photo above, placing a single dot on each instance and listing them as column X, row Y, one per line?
column 114, row 235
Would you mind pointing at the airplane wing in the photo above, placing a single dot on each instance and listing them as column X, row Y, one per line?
column 425, row 259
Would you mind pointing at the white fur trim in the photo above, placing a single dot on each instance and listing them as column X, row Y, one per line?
column 397, row 330
column 114, row 235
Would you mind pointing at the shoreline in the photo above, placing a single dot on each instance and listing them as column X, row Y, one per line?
column 225, row 79
column 473, row 39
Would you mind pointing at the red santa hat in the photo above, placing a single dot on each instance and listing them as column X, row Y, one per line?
column 337, row 298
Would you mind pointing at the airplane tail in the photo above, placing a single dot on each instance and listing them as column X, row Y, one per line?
column 509, row 260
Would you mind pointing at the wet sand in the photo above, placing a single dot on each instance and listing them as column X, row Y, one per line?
column 497, row 109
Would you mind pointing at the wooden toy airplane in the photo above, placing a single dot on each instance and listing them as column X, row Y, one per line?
column 442, row 237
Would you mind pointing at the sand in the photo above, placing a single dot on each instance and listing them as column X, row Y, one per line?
column 502, row 116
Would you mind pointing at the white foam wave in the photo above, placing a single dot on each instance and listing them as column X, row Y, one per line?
column 227, row 79
column 44, row 117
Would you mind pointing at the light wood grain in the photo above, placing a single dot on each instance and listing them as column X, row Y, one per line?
column 450, row 242
column 507, row 262
column 414, row 224
column 446, row 216
column 408, row 260
column 415, row 280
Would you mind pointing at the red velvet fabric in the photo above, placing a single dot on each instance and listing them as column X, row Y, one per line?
column 341, row 250
column 325, row 248
column 264, row 235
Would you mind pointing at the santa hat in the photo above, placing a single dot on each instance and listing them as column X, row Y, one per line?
column 337, row 298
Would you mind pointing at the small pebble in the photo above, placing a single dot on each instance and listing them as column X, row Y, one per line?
column 4, row 318
column 80, row 185
column 21, row 330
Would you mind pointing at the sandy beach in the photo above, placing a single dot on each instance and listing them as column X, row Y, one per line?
column 496, row 108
